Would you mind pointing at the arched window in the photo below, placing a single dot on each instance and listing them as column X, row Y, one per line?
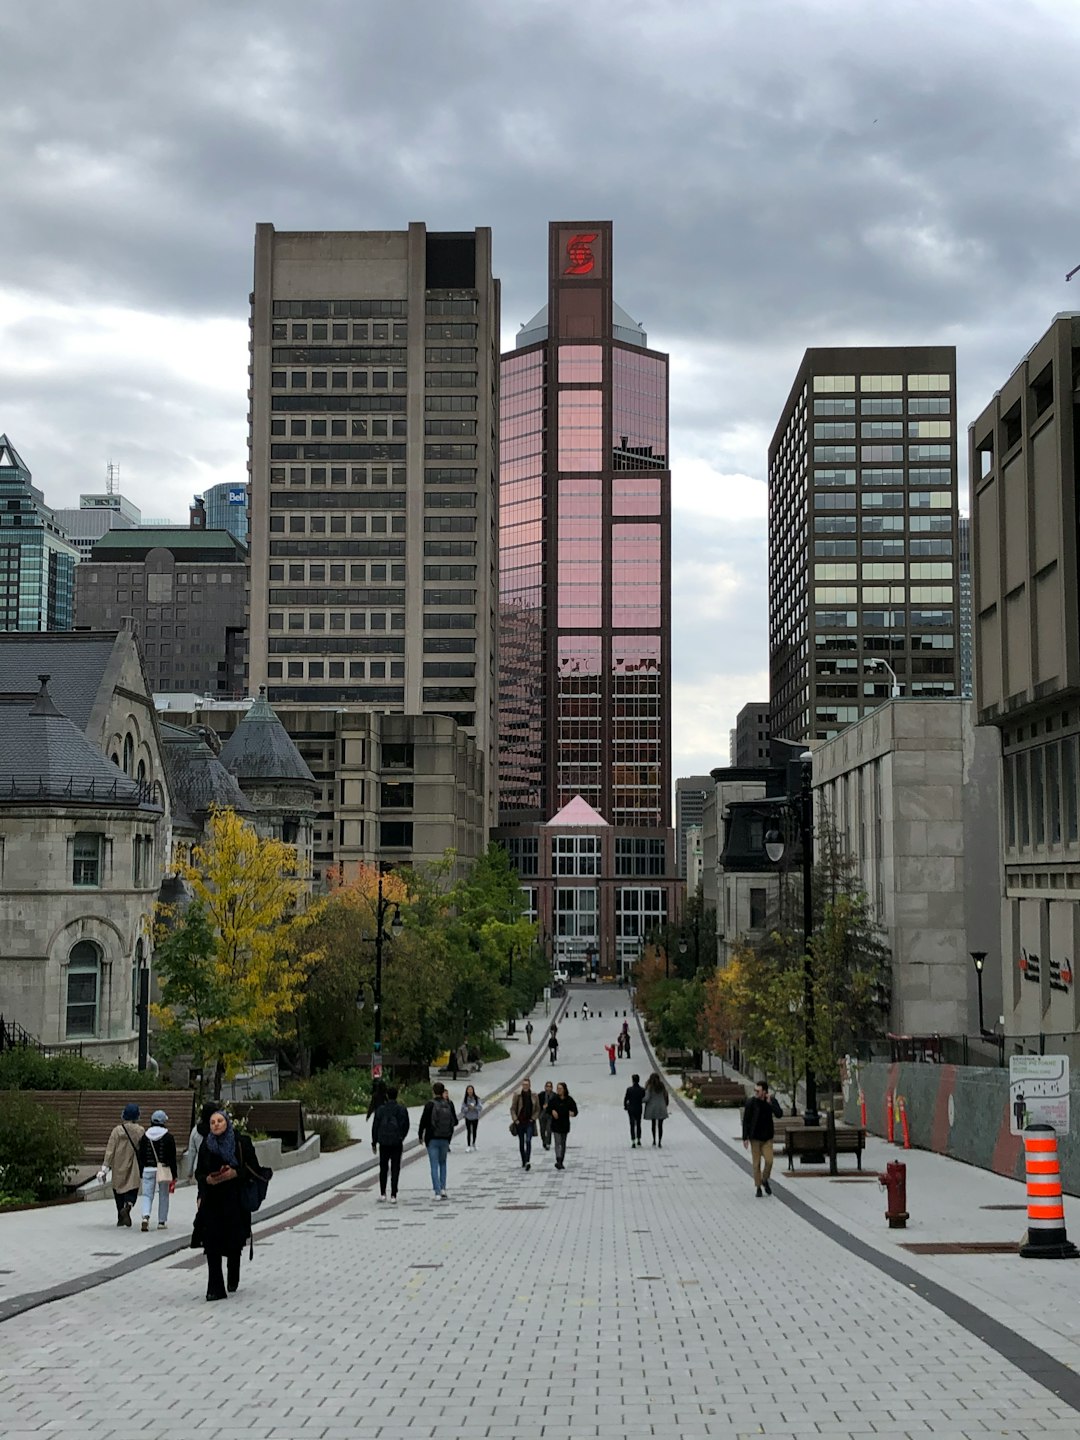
column 129, row 754
column 141, row 776
column 83, row 991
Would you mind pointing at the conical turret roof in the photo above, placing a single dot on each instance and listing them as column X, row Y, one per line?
column 260, row 749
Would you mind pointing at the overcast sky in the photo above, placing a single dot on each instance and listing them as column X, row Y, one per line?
column 780, row 175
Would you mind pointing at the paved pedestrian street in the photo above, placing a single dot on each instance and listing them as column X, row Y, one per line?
column 637, row 1293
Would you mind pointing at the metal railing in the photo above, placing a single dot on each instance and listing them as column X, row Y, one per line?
column 14, row 1037
column 78, row 788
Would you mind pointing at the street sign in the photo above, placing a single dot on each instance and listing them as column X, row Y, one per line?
column 1039, row 1092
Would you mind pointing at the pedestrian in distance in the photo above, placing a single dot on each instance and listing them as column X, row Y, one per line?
column 528, row 1031
column 626, row 1038
column 562, row 1109
column 758, row 1130
column 656, row 1107
column 584, row 1009
column 223, row 1222
column 543, row 1100
column 437, row 1126
column 453, row 1067
column 618, row 1044
column 610, row 1051
column 553, row 1044
column 378, row 1096
column 157, row 1160
column 199, row 1132
column 523, row 1116
column 122, row 1158
column 471, row 1110
column 633, row 1104
column 389, row 1127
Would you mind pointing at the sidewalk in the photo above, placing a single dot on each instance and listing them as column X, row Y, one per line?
column 949, row 1203
column 67, row 1248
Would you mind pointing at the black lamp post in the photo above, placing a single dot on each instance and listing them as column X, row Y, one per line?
column 802, row 806
column 382, row 906
column 978, row 959
column 142, row 1006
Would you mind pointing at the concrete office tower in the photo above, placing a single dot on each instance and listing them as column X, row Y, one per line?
column 373, row 435
column 37, row 564
column 862, row 536
column 691, row 793
column 1025, row 470
column 584, row 565
column 96, row 514
column 752, row 735
column 964, row 547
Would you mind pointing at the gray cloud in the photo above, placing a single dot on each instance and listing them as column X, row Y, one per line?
column 780, row 175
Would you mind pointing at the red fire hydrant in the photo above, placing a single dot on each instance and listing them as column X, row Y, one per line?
column 895, row 1182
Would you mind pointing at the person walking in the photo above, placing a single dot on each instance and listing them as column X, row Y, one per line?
column 758, row 1131
column 553, row 1045
column 633, row 1104
column 437, row 1125
column 157, row 1162
column 610, row 1049
column 543, row 1100
column 523, row 1115
column 222, row 1221
column 122, row 1158
column 453, row 1066
column 199, row 1132
column 471, row 1110
column 626, row 1038
column 562, row 1108
column 656, row 1107
column 584, row 1009
column 389, row 1127
column 528, row 1031
column 378, row 1097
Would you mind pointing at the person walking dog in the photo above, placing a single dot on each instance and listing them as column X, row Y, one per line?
column 122, row 1158
column 562, row 1108
column 758, row 1131
column 157, row 1158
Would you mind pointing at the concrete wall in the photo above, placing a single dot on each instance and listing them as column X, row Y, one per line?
column 957, row 1110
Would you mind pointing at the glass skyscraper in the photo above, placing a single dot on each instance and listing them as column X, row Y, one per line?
column 584, row 591
column 227, row 509
column 37, row 564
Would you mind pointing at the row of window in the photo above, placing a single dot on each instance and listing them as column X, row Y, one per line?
column 335, row 669
column 849, row 619
column 884, row 500
column 883, row 429
column 870, row 546
column 579, row 855
column 878, row 524
column 928, row 405
column 840, row 454
column 877, row 384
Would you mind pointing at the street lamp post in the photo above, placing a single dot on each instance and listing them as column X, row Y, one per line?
column 978, row 959
column 803, row 808
column 382, row 905
column 142, row 1007
column 876, row 660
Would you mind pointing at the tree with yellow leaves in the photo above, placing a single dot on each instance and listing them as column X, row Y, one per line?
column 229, row 979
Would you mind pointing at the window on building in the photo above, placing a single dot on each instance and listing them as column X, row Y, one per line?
column 396, row 834
column 86, row 860
column 83, row 990
column 575, row 855
column 397, row 756
column 758, row 898
column 524, row 853
column 577, row 913
column 396, row 795
column 644, row 857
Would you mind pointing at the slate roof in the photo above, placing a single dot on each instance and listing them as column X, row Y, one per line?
column 197, row 778
column 260, row 749
column 44, row 755
column 74, row 660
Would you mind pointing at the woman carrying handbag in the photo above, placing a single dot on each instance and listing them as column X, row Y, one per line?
column 227, row 1172
column 157, row 1160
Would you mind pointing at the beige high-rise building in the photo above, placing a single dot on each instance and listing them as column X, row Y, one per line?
column 373, row 447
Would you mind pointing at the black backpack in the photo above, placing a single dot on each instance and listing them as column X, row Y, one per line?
column 391, row 1131
column 442, row 1120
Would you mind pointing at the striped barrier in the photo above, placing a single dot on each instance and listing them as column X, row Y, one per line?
column 1046, row 1238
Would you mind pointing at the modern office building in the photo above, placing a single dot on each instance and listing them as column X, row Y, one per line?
column 585, row 584
column 373, row 445
column 752, row 735
column 185, row 591
column 37, row 563
column 1025, row 472
column 85, row 526
column 691, row 793
column 863, row 536
column 963, row 536
column 227, row 509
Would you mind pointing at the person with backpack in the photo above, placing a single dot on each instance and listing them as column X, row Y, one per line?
column 122, row 1158
column 157, row 1157
column 437, row 1126
column 225, row 1165
column 634, row 1104
column 471, row 1110
column 523, row 1116
column 562, row 1108
column 389, row 1127
column 758, row 1131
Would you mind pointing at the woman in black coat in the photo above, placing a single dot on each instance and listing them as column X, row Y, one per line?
column 222, row 1223
column 561, row 1109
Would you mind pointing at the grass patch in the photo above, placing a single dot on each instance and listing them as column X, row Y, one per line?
column 335, row 1091
column 332, row 1131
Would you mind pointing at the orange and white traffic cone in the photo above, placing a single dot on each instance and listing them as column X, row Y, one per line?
column 889, row 1116
column 903, row 1123
column 1046, row 1238
column 862, row 1109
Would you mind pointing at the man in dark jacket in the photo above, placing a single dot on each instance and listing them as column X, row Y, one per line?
column 633, row 1104
column 389, row 1128
column 436, row 1128
column 757, row 1134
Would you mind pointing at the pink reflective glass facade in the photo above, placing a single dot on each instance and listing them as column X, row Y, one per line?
column 639, row 422
column 581, row 364
column 581, row 429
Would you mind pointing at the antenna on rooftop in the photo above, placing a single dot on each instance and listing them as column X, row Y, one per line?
column 112, row 474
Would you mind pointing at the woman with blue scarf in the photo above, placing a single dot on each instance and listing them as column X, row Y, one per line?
column 222, row 1224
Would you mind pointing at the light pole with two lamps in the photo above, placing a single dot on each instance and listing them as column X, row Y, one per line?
column 802, row 806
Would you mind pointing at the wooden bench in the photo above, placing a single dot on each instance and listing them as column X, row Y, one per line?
column 280, row 1119
column 94, row 1113
column 716, row 1090
column 676, row 1059
column 822, row 1140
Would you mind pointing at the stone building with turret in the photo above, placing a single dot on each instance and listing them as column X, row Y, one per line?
column 276, row 782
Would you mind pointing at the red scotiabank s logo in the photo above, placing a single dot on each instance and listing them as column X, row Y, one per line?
column 579, row 252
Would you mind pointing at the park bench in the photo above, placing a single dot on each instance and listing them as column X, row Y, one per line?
column 823, row 1140
column 716, row 1090
column 676, row 1059
column 94, row 1113
column 279, row 1119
